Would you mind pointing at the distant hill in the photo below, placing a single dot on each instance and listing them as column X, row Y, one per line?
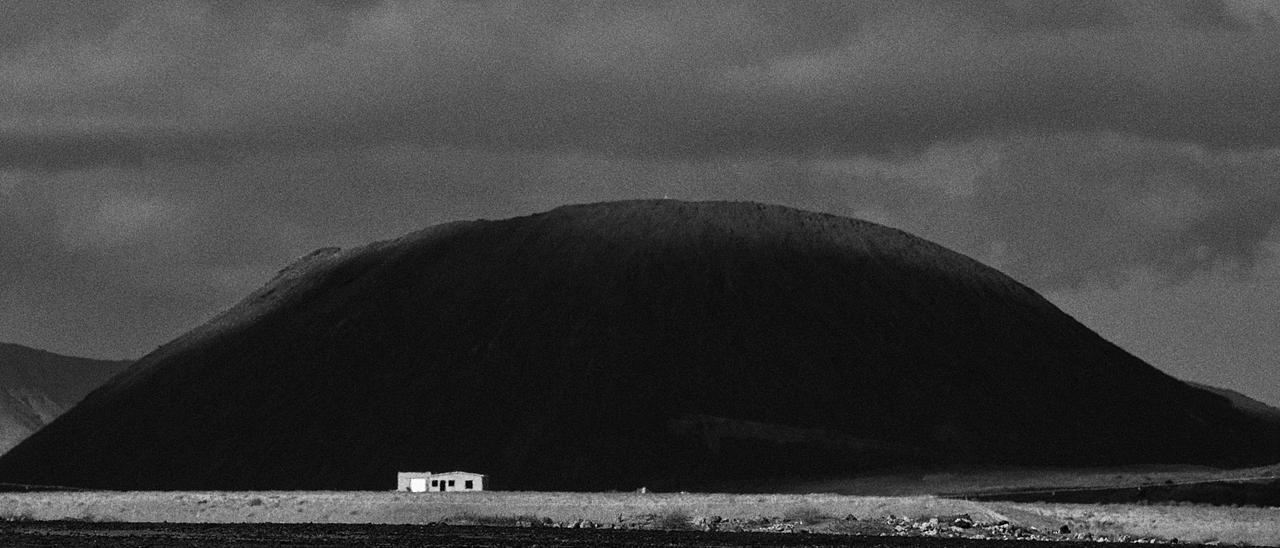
column 37, row 386
column 1242, row 402
column 608, row 346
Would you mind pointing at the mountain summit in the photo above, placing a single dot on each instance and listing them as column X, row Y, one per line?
column 606, row 346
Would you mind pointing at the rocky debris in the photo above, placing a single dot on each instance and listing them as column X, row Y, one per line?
column 709, row 523
column 962, row 526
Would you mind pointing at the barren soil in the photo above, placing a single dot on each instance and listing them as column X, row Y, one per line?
column 782, row 516
column 200, row 535
column 422, row 508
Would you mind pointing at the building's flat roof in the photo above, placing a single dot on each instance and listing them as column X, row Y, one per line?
column 456, row 472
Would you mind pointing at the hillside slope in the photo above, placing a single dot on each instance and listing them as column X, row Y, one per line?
column 608, row 346
column 1243, row 403
column 37, row 386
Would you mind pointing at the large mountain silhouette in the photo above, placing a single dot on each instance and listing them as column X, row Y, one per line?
column 37, row 386
column 659, row 343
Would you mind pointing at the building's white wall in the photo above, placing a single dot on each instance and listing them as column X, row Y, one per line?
column 459, row 480
column 404, row 479
column 426, row 481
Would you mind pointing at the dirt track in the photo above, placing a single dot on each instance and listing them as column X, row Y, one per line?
column 260, row 534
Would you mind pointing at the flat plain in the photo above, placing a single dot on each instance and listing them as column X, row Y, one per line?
column 782, row 513
column 49, row 534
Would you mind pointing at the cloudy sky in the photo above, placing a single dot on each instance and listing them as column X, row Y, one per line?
column 160, row 160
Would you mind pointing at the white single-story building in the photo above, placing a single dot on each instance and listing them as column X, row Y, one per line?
column 421, row 482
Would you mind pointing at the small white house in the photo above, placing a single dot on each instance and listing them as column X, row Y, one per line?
column 422, row 482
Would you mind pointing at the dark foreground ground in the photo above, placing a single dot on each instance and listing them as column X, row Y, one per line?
column 67, row 533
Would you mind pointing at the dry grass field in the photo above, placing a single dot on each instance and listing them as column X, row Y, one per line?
column 1255, row 526
column 1187, row 523
column 411, row 508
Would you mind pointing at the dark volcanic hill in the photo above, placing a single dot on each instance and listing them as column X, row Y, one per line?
column 657, row 343
column 37, row 386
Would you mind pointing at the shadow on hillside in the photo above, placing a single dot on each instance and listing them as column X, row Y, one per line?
column 1242, row 493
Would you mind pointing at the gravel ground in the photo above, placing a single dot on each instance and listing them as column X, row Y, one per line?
column 260, row 534
column 779, row 515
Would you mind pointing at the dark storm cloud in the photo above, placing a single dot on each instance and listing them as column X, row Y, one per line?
column 1056, row 15
column 120, row 259
column 177, row 80
column 1077, row 208
column 158, row 160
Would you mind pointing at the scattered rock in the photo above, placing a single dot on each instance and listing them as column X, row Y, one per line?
column 958, row 526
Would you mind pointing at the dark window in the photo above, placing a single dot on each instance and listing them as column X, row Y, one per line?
column 468, row 484
column 450, row 483
column 435, row 483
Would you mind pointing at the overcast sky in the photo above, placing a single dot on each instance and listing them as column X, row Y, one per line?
column 159, row 160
